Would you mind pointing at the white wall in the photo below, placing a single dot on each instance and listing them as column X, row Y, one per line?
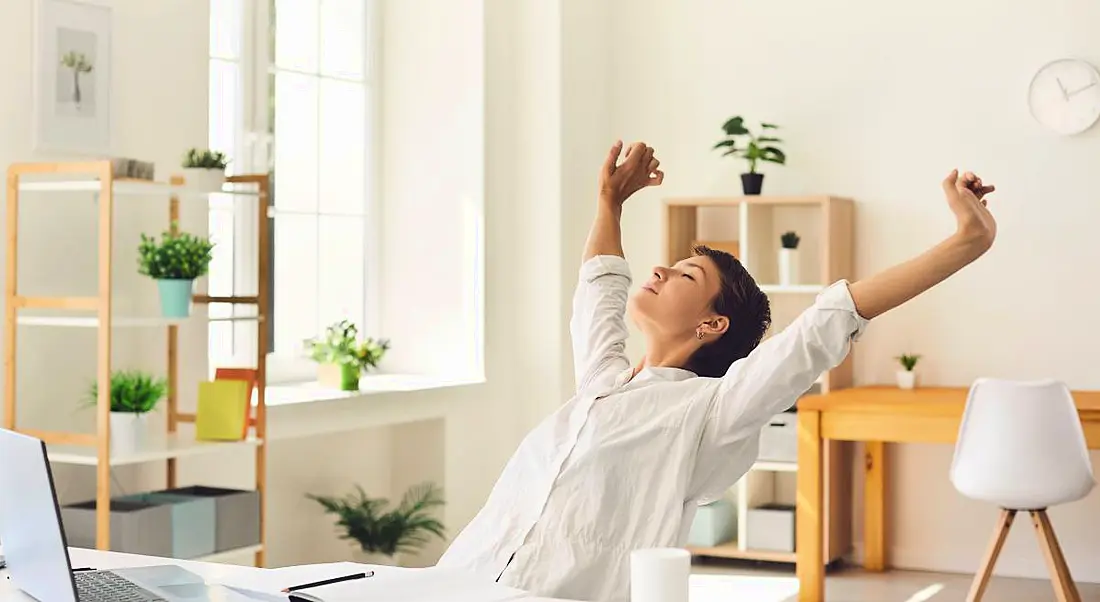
column 878, row 101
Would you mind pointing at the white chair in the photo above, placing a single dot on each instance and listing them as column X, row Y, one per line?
column 1021, row 446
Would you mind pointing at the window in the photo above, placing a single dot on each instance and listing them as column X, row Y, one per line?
column 291, row 93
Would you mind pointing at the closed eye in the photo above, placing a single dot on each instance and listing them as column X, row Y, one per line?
column 689, row 276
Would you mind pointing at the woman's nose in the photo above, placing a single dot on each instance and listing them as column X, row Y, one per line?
column 660, row 272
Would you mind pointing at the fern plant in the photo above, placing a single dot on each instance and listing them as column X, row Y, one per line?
column 132, row 391
column 908, row 361
column 377, row 531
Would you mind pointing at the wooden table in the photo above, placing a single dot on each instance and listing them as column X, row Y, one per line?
column 877, row 415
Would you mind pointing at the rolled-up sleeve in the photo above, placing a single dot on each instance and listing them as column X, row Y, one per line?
column 598, row 327
column 783, row 367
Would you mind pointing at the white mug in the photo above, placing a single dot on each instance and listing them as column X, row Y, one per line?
column 659, row 575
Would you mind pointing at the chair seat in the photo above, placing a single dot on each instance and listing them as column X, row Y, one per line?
column 1019, row 496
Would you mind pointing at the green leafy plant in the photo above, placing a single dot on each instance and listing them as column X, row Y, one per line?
column 402, row 529
column 132, row 391
column 204, row 159
column 340, row 345
column 908, row 361
column 790, row 240
column 755, row 148
column 178, row 256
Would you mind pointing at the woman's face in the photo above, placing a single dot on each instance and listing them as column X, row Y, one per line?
column 675, row 301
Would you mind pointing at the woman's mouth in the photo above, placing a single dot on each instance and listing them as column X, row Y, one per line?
column 648, row 288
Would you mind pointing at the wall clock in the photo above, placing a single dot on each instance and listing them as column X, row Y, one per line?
column 1064, row 96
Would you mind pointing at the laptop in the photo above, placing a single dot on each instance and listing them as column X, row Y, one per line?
column 37, row 553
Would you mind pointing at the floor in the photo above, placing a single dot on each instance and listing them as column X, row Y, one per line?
column 725, row 583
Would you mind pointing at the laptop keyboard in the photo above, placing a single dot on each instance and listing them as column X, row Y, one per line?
column 105, row 586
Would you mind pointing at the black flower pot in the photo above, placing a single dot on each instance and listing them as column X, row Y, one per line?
column 751, row 183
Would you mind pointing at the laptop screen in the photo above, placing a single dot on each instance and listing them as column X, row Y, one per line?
column 30, row 521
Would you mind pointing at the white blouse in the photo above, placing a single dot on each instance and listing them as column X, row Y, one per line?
column 625, row 462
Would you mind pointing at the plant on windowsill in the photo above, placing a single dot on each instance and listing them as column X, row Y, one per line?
column 907, row 377
column 788, row 258
column 204, row 169
column 382, row 536
column 342, row 357
column 134, row 394
column 755, row 149
column 175, row 262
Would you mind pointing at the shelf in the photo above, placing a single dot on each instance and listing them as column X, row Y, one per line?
column 120, row 321
column 228, row 554
column 730, row 550
column 766, row 465
column 801, row 289
column 123, row 187
column 174, row 446
column 733, row 201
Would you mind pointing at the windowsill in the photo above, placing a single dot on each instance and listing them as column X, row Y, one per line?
column 289, row 394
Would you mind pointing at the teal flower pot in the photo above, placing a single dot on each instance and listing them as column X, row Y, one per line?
column 175, row 297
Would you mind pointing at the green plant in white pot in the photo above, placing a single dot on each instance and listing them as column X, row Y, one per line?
column 204, row 169
column 342, row 358
column 382, row 536
column 788, row 258
column 175, row 262
column 134, row 395
column 754, row 149
column 907, row 376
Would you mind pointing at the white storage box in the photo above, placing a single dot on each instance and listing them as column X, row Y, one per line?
column 779, row 438
column 714, row 524
column 771, row 527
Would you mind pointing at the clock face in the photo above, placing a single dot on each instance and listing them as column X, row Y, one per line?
column 1065, row 96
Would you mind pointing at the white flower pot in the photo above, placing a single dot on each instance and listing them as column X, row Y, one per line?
column 788, row 266
column 906, row 379
column 132, row 432
column 203, row 180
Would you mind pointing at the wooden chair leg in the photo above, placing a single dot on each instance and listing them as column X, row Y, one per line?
column 1000, row 533
column 1064, row 588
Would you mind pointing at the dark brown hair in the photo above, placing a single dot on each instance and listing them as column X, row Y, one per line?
column 748, row 310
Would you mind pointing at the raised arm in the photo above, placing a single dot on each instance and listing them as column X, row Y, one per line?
column 773, row 376
column 598, row 327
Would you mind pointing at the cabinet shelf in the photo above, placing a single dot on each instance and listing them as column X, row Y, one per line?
column 731, row 551
column 174, row 446
column 97, row 178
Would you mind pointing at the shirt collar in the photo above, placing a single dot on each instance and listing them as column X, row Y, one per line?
column 654, row 373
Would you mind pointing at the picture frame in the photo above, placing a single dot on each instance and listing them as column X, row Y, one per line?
column 72, row 71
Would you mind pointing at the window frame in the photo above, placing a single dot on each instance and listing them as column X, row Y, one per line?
column 256, row 148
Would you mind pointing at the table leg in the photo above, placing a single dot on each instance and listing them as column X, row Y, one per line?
column 874, row 506
column 809, row 560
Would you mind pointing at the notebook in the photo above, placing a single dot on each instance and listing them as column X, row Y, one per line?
column 387, row 584
column 221, row 413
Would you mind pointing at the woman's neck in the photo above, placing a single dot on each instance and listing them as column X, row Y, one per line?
column 666, row 353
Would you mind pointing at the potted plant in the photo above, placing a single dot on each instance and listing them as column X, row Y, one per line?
column 788, row 258
column 342, row 357
column 755, row 149
column 204, row 169
column 383, row 535
column 174, row 262
column 134, row 394
column 907, row 378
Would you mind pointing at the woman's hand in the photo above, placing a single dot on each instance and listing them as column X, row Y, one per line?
column 966, row 197
column 639, row 169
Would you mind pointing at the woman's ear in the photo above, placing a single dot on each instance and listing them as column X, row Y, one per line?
column 715, row 326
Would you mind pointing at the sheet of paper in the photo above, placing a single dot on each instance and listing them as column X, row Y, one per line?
column 388, row 584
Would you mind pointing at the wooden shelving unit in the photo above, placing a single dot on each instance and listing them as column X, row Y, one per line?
column 750, row 228
column 97, row 311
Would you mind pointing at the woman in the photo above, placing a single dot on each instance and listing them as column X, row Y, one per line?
column 625, row 462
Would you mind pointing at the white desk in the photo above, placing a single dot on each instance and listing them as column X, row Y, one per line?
column 114, row 560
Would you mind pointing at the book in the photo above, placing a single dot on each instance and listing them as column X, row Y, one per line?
column 250, row 376
column 222, row 410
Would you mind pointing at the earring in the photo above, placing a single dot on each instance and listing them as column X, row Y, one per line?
column 699, row 334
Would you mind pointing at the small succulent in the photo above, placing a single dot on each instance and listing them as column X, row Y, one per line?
column 790, row 240
column 908, row 361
